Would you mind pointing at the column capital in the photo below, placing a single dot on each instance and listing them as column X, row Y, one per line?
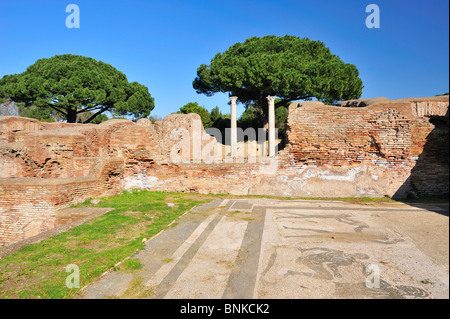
column 271, row 99
column 233, row 98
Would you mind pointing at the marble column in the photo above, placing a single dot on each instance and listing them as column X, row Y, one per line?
column 233, row 100
column 272, row 142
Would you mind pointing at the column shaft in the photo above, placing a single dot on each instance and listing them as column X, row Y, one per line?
column 272, row 142
column 233, row 127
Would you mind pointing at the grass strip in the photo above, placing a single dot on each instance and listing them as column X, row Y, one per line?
column 39, row 270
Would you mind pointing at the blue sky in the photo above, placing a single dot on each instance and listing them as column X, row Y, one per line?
column 162, row 43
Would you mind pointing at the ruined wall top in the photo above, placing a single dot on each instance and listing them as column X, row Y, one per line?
column 420, row 106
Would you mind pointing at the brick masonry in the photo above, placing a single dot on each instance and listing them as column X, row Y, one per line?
column 386, row 148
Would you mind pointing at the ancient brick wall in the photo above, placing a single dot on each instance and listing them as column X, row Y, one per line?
column 386, row 148
column 28, row 205
column 430, row 171
column 344, row 136
column 405, row 141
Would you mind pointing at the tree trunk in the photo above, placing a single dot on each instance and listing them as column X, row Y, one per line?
column 264, row 106
column 71, row 116
column 95, row 115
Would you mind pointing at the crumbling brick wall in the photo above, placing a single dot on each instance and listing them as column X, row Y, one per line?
column 28, row 205
column 343, row 136
column 407, row 138
column 386, row 148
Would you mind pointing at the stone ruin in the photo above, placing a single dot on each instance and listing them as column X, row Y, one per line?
column 374, row 148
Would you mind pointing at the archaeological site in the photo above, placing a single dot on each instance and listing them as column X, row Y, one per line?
column 361, row 148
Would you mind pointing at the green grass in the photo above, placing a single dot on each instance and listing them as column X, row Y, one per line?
column 38, row 270
column 132, row 264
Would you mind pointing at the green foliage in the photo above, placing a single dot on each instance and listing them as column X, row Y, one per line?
column 288, row 67
column 72, row 84
column 193, row 107
column 281, row 115
column 42, row 114
column 220, row 121
column 216, row 115
column 442, row 94
column 252, row 117
column 100, row 118
column 213, row 119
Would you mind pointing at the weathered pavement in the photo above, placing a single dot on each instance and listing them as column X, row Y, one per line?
column 266, row 248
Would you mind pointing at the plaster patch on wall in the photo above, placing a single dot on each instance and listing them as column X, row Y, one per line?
column 349, row 176
column 315, row 181
column 140, row 180
column 297, row 185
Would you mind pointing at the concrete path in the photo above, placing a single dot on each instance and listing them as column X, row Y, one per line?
column 265, row 248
